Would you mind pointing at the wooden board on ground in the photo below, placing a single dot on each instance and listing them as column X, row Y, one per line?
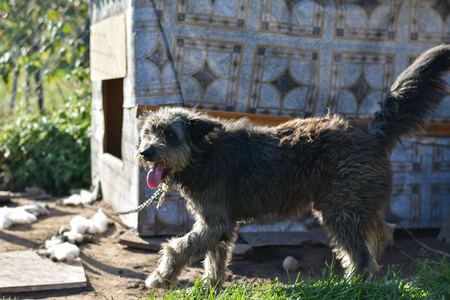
column 311, row 238
column 27, row 271
column 130, row 239
column 5, row 196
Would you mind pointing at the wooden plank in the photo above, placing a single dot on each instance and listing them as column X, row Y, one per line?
column 108, row 49
column 240, row 250
column 259, row 239
column 130, row 239
column 5, row 196
column 27, row 271
column 257, row 119
column 440, row 129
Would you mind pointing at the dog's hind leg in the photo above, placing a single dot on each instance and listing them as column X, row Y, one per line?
column 380, row 235
column 348, row 239
column 180, row 252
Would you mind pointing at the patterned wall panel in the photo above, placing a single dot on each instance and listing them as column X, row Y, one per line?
column 170, row 219
column 421, row 181
column 155, row 76
column 367, row 20
column 292, row 17
column 279, row 82
column 359, row 81
column 208, row 72
column 214, row 13
column 293, row 58
column 429, row 21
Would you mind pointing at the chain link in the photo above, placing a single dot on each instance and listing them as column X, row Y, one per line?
column 159, row 194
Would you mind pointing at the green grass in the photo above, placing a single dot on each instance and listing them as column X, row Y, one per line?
column 431, row 281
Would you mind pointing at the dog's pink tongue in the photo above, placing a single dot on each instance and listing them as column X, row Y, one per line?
column 154, row 175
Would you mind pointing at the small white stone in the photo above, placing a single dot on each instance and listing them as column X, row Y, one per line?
column 290, row 264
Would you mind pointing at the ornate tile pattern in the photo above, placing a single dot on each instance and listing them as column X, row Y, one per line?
column 429, row 21
column 279, row 85
column 159, row 6
column 293, row 58
column 208, row 72
column 367, row 20
column 409, row 196
column 440, row 195
column 213, row 13
column 361, row 79
column 172, row 217
column 421, row 181
column 292, row 17
column 441, row 158
column 155, row 61
column 155, row 75
column 409, row 160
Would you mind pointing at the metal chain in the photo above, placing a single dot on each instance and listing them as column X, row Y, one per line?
column 159, row 194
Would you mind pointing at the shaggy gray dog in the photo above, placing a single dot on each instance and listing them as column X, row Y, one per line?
column 232, row 171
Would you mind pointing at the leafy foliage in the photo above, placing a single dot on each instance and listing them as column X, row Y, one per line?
column 48, row 34
column 50, row 152
column 46, row 41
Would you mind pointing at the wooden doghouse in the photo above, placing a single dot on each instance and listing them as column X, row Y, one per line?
column 270, row 60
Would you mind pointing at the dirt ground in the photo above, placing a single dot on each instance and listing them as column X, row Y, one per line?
column 114, row 270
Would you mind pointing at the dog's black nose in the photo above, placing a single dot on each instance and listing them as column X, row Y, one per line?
column 148, row 153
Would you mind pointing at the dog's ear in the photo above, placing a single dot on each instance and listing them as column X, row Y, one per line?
column 200, row 126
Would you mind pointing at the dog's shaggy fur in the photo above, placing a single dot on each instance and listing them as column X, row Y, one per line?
column 230, row 171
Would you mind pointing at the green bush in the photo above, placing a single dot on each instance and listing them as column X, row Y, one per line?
column 52, row 152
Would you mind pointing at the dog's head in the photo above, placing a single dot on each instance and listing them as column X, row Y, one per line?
column 169, row 137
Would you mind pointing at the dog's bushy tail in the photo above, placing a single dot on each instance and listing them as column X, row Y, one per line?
column 413, row 97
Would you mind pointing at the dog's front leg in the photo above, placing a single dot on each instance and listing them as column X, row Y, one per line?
column 217, row 259
column 180, row 252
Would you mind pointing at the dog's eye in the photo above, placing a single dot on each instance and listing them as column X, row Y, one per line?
column 170, row 134
column 146, row 131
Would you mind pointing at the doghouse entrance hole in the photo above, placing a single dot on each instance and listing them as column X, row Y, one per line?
column 113, row 114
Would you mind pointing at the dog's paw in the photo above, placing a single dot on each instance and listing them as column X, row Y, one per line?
column 156, row 281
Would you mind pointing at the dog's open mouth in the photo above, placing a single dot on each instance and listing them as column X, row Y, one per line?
column 157, row 172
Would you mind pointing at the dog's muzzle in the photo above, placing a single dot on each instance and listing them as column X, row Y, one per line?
column 148, row 154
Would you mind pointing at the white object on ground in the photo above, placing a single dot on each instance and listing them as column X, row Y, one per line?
column 65, row 250
column 80, row 225
column 98, row 223
column 15, row 215
column 21, row 215
column 36, row 209
column 54, row 240
column 290, row 264
column 73, row 236
column 84, row 197
column 5, row 222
